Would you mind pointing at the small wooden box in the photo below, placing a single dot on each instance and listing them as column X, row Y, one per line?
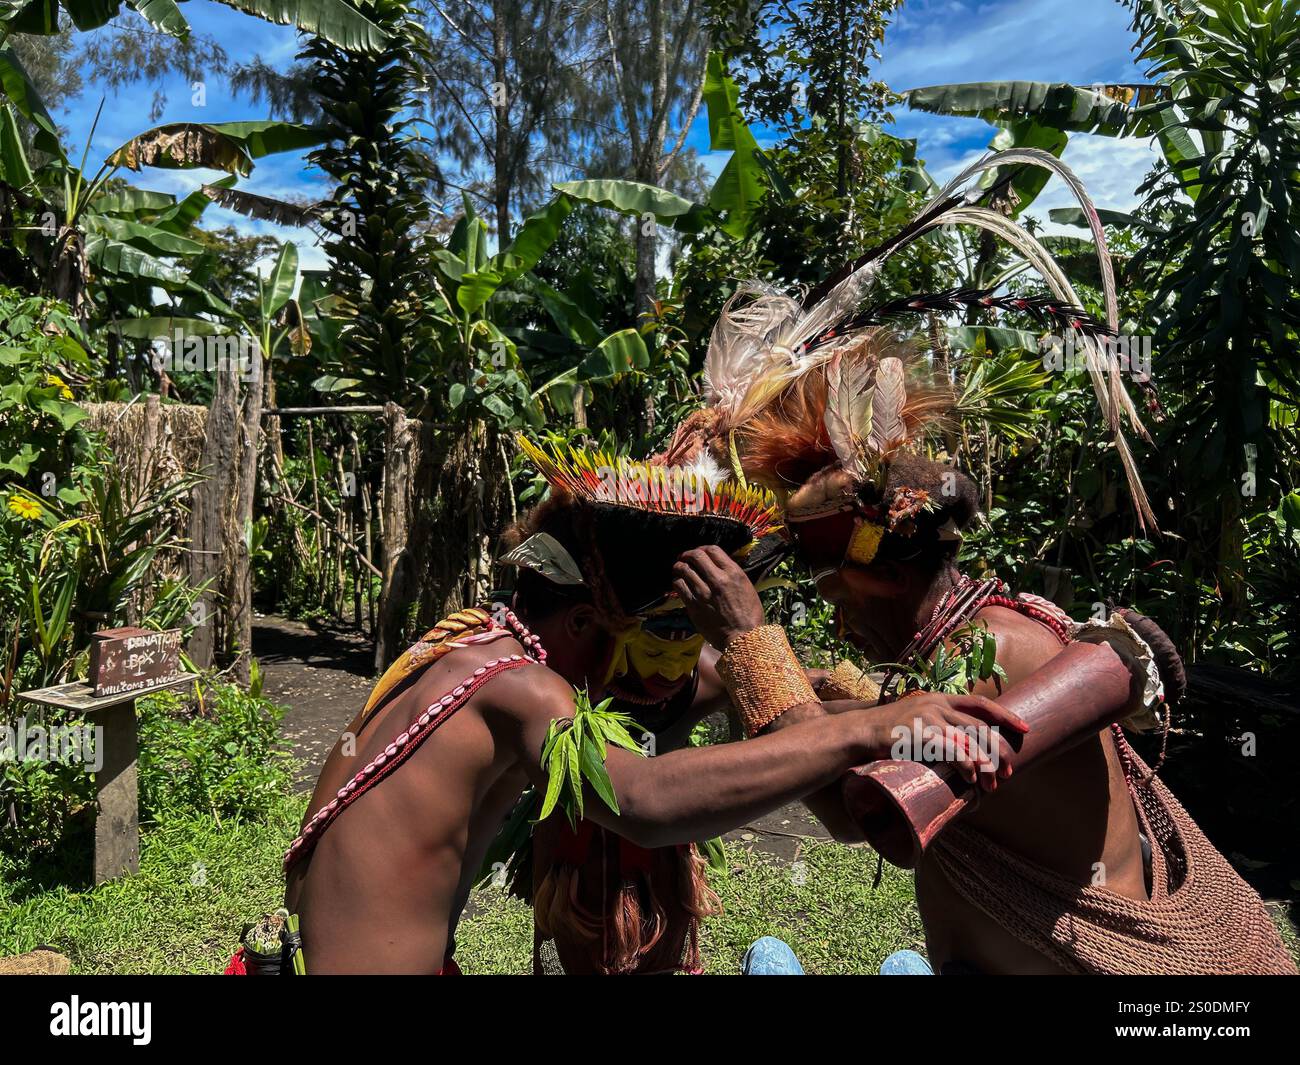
column 128, row 659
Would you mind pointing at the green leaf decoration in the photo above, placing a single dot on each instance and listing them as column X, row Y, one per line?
column 574, row 757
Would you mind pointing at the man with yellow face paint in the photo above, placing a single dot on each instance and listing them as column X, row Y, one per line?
column 653, row 659
column 640, row 906
column 603, row 904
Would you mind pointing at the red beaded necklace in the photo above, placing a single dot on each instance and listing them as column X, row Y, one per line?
column 964, row 600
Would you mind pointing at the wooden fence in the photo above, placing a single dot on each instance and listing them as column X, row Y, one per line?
column 444, row 494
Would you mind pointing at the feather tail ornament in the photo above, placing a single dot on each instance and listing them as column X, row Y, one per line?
column 1100, row 362
column 1047, row 161
column 848, row 411
column 740, row 346
column 887, row 428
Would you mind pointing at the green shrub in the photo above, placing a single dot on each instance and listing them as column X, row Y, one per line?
column 37, row 800
column 221, row 758
column 224, row 757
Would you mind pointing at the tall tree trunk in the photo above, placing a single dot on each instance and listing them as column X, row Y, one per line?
column 241, row 570
column 501, row 155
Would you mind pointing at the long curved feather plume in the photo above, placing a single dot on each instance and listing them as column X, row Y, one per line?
column 760, row 347
column 1046, row 160
column 1101, row 363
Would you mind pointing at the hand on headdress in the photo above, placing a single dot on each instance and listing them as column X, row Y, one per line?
column 717, row 595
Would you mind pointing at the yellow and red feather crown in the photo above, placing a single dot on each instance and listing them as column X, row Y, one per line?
column 602, row 477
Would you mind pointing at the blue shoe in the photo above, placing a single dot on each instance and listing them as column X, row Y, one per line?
column 905, row 963
column 769, row 956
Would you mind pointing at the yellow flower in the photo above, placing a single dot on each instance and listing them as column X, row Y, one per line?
column 54, row 379
column 25, row 508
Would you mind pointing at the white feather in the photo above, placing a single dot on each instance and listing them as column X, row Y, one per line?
column 707, row 469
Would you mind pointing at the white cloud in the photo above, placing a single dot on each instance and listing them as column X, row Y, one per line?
column 1111, row 170
column 933, row 43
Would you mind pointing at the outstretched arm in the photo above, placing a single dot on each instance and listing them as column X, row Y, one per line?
column 700, row 792
column 725, row 607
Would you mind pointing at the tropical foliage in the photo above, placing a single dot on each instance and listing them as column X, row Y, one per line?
column 503, row 264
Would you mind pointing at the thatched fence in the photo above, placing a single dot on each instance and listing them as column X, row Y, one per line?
column 153, row 444
column 444, row 495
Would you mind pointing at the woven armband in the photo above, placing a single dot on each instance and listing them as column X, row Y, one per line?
column 847, row 681
column 763, row 677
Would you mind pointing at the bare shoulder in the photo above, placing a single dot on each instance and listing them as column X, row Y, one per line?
column 1009, row 624
column 528, row 692
column 1023, row 644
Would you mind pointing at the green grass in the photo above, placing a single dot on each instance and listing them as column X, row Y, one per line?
column 199, row 882
column 182, row 913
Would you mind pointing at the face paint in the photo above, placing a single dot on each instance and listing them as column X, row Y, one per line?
column 654, row 665
column 653, row 656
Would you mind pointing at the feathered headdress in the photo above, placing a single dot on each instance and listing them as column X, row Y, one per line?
column 614, row 480
column 618, row 526
column 837, row 448
column 766, row 342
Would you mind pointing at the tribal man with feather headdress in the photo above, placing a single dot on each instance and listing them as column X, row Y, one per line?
column 489, row 703
column 1083, row 863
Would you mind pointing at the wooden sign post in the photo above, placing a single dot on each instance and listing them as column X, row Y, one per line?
column 117, row 818
column 129, row 659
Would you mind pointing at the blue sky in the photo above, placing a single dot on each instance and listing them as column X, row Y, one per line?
column 930, row 42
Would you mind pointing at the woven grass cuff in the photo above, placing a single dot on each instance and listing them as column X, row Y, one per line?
column 847, row 681
column 763, row 676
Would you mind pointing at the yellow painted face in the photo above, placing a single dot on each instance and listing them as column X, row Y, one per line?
column 645, row 655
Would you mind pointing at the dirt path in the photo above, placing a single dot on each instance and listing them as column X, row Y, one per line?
column 324, row 674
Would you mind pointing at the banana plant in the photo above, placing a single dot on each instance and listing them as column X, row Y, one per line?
column 336, row 21
column 98, row 243
column 748, row 176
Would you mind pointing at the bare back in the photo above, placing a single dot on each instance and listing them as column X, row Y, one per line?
column 384, row 885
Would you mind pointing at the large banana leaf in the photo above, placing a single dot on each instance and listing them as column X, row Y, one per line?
column 20, row 91
column 1028, row 181
column 1106, row 109
column 110, row 256
column 162, row 15
column 1114, row 110
column 279, row 286
column 616, row 354
column 180, row 217
column 630, row 198
column 228, row 146
column 166, row 326
column 146, row 237
column 1074, row 216
column 740, row 185
column 133, row 202
column 537, row 233
column 573, row 322
column 336, row 21
column 14, row 168
column 262, row 208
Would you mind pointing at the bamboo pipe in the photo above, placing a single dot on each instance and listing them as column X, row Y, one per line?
column 901, row 806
